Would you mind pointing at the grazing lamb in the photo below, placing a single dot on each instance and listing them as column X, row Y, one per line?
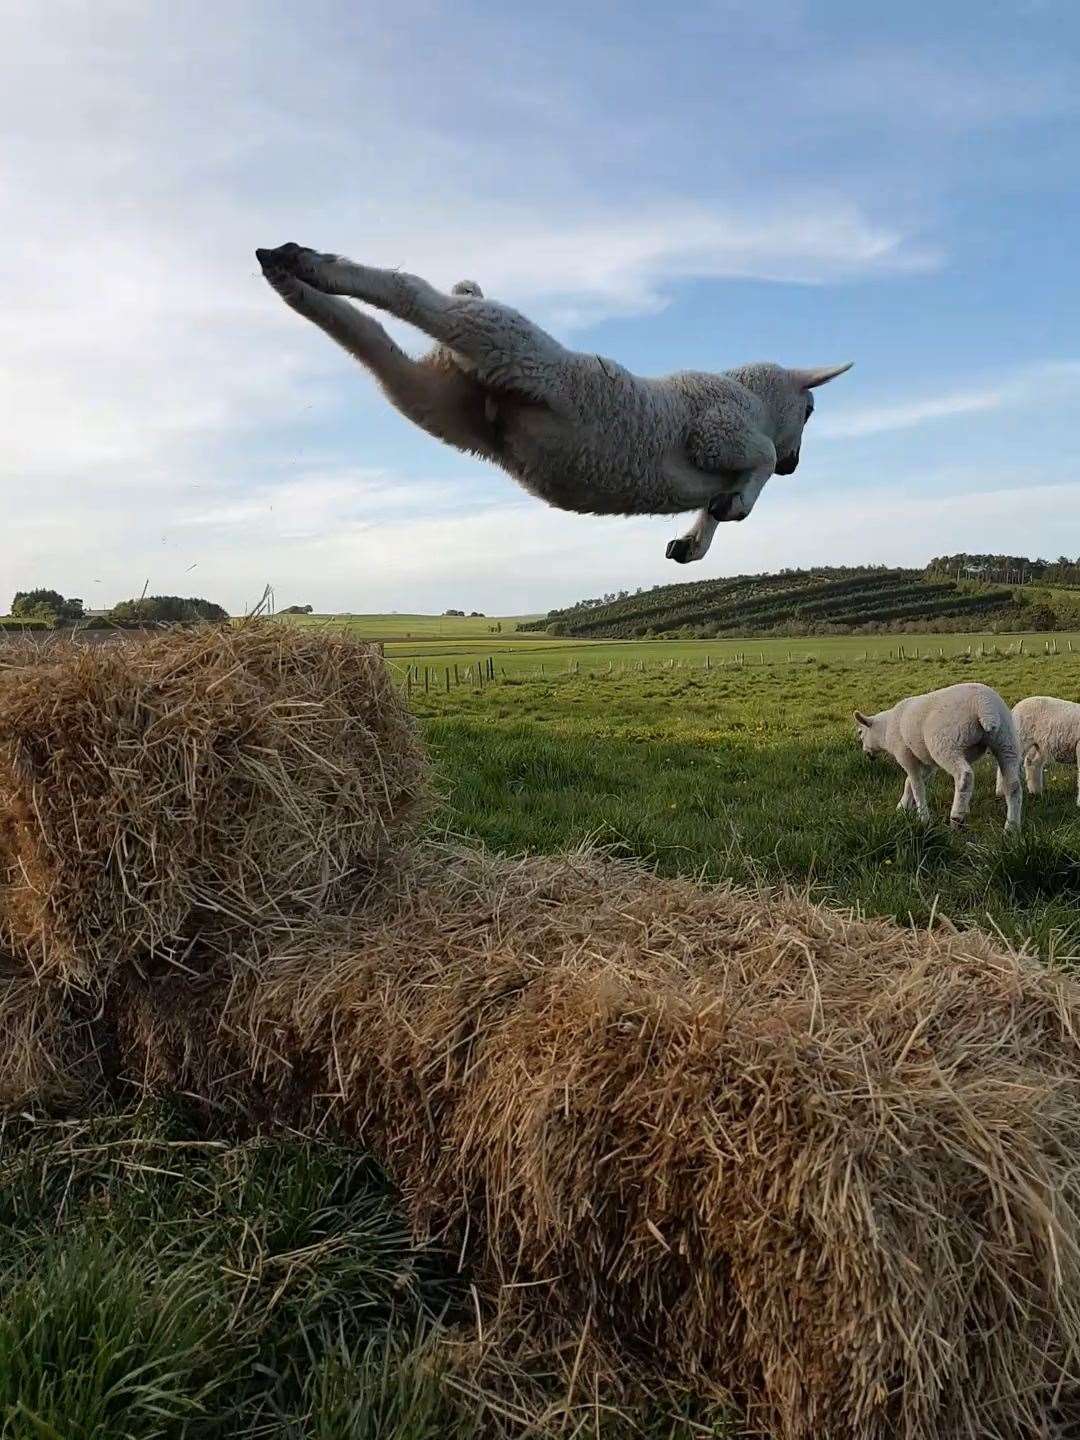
column 951, row 729
column 1047, row 729
column 576, row 430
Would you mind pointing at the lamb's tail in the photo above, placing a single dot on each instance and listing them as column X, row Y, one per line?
column 1001, row 738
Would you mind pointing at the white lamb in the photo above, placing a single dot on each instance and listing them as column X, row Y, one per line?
column 1047, row 729
column 577, row 430
column 949, row 728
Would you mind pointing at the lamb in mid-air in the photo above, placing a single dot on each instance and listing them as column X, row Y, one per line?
column 1048, row 729
column 949, row 728
column 577, row 430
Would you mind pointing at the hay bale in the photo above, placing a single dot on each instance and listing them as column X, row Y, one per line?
column 48, row 1049
column 823, row 1163
column 159, row 797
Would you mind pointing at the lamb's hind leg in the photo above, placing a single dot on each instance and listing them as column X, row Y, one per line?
column 437, row 397
column 507, row 350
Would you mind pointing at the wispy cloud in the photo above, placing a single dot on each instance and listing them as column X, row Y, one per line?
column 1045, row 384
column 160, row 409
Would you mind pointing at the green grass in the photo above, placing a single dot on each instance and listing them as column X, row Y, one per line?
column 158, row 1283
column 416, row 627
column 748, row 771
column 540, row 655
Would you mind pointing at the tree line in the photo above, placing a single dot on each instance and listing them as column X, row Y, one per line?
column 56, row 609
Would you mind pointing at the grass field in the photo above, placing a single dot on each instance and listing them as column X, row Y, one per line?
column 160, row 1282
column 445, row 643
column 410, row 628
column 748, row 771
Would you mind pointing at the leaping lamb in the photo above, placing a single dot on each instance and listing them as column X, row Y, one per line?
column 949, row 728
column 577, row 430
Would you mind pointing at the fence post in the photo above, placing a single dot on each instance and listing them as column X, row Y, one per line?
column 425, row 679
column 448, row 679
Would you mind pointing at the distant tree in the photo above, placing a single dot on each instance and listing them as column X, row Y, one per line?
column 166, row 609
column 455, row 612
column 476, row 615
column 45, row 605
column 296, row 610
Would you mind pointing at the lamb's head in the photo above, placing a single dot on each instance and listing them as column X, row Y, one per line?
column 788, row 395
column 870, row 732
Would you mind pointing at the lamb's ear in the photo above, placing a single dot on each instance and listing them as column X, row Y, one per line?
column 863, row 720
column 811, row 379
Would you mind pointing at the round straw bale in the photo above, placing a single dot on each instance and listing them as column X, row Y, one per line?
column 823, row 1163
column 158, row 796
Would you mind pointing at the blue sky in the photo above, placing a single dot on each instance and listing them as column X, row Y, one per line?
column 679, row 187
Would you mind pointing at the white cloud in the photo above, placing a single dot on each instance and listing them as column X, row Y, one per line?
column 1036, row 386
column 154, row 396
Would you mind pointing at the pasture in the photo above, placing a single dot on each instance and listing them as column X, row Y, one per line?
column 164, row 1275
column 750, row 770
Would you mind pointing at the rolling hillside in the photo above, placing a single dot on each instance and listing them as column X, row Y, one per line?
column 801, row 602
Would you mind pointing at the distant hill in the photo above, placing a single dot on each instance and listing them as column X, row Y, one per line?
column 808, row 602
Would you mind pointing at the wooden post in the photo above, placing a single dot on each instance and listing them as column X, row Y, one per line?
column 457, row 678
column 448, row 679
column 425, row 679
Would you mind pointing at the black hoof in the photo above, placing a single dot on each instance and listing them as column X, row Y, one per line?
column 285, row 257
column 679, row 551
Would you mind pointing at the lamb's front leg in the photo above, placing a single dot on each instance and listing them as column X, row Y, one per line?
column 914, row 796
column 695, row 543
column 736, row 505
column 963, row 789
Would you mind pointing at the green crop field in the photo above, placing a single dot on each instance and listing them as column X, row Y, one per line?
column 797, row 601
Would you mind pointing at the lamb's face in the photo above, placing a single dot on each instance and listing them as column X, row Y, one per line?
column 792, row 406
column 796, row 409
column 868, row 731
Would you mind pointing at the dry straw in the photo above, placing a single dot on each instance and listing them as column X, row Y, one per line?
column 48, row 1044
column 160, row 797
column 826, row 1164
